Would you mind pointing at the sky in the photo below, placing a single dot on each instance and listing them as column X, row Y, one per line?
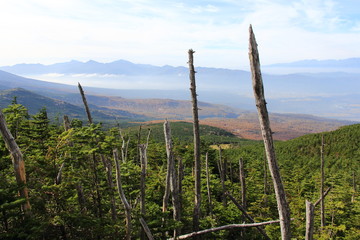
column 160, row 32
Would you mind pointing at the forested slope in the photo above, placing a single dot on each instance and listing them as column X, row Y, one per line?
column 70, row 171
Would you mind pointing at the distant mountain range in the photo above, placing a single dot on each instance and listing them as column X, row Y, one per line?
column 107, row 105
column 326, row 94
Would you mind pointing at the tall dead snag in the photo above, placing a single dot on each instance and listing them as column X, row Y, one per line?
column 171, row 178
column 322, row 203
column 122, row 195
column 143, row 164
column 283, row 207
column 222, row 171
column 208, row 182
column 85, row 103
column 246, row 215
column 18, row 162
column 310, row 208
column 195, row 109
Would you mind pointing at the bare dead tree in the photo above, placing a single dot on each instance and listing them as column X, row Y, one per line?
column 18, row 163
column 146, row 229
column 230, row 226
column 171, row 178
column 322, row 203
column 222, row 171
column 143, row 164
column 196, row 130
column 87, row 109
column 283, row 207
column 208, row 182
column 126, row 204
column 310, row 208
column 246, row 215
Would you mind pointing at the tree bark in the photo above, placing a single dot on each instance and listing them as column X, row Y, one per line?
column 196, row 130
column 230, row 226
column 146, row 229
column 171, row 178
column 222, row 171
column 122, row 195
column 246, row 215
column 85, row 104
column 18, row 163
column 309, row 220
column 208, row 182
column 143, row 165
column 283, row 207
column 310, row 208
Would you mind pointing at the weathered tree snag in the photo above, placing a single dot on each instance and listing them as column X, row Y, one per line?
column 230, row 226
column 146, row 229
column 85, row 104
column 283, row 207
column 143, row 165
column 171, row 178
column 18, row 163
column 196, row 129
column 310, row 208
column 222, row 171
column 208, row 182
column 122, row 195
column 243, row 183
column 246, row 215
column 66, row 123
column 322, row 203
column 309, row 220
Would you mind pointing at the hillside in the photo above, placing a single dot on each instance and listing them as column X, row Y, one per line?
column 306, row 90
column 183, row 132
column 299, row 163
column 57, row 108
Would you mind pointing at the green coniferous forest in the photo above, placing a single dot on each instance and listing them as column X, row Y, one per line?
column 72, row 196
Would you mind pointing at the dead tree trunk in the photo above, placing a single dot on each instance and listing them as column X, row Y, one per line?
column 85, row 104
column 230, row 226
column 143, row 164
column 197, row 201
column 246, row 215
column 310, row 208
column 222, row 170
column 322, row 203
column 283, row 207
column 122, row 195
column 208, row 182
column 171, row 178
column 146, row 229
column 18, row 163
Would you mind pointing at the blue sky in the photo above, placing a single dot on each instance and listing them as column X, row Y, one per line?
column 160, row 32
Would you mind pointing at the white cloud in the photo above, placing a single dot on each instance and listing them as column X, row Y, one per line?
column 160, row 32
